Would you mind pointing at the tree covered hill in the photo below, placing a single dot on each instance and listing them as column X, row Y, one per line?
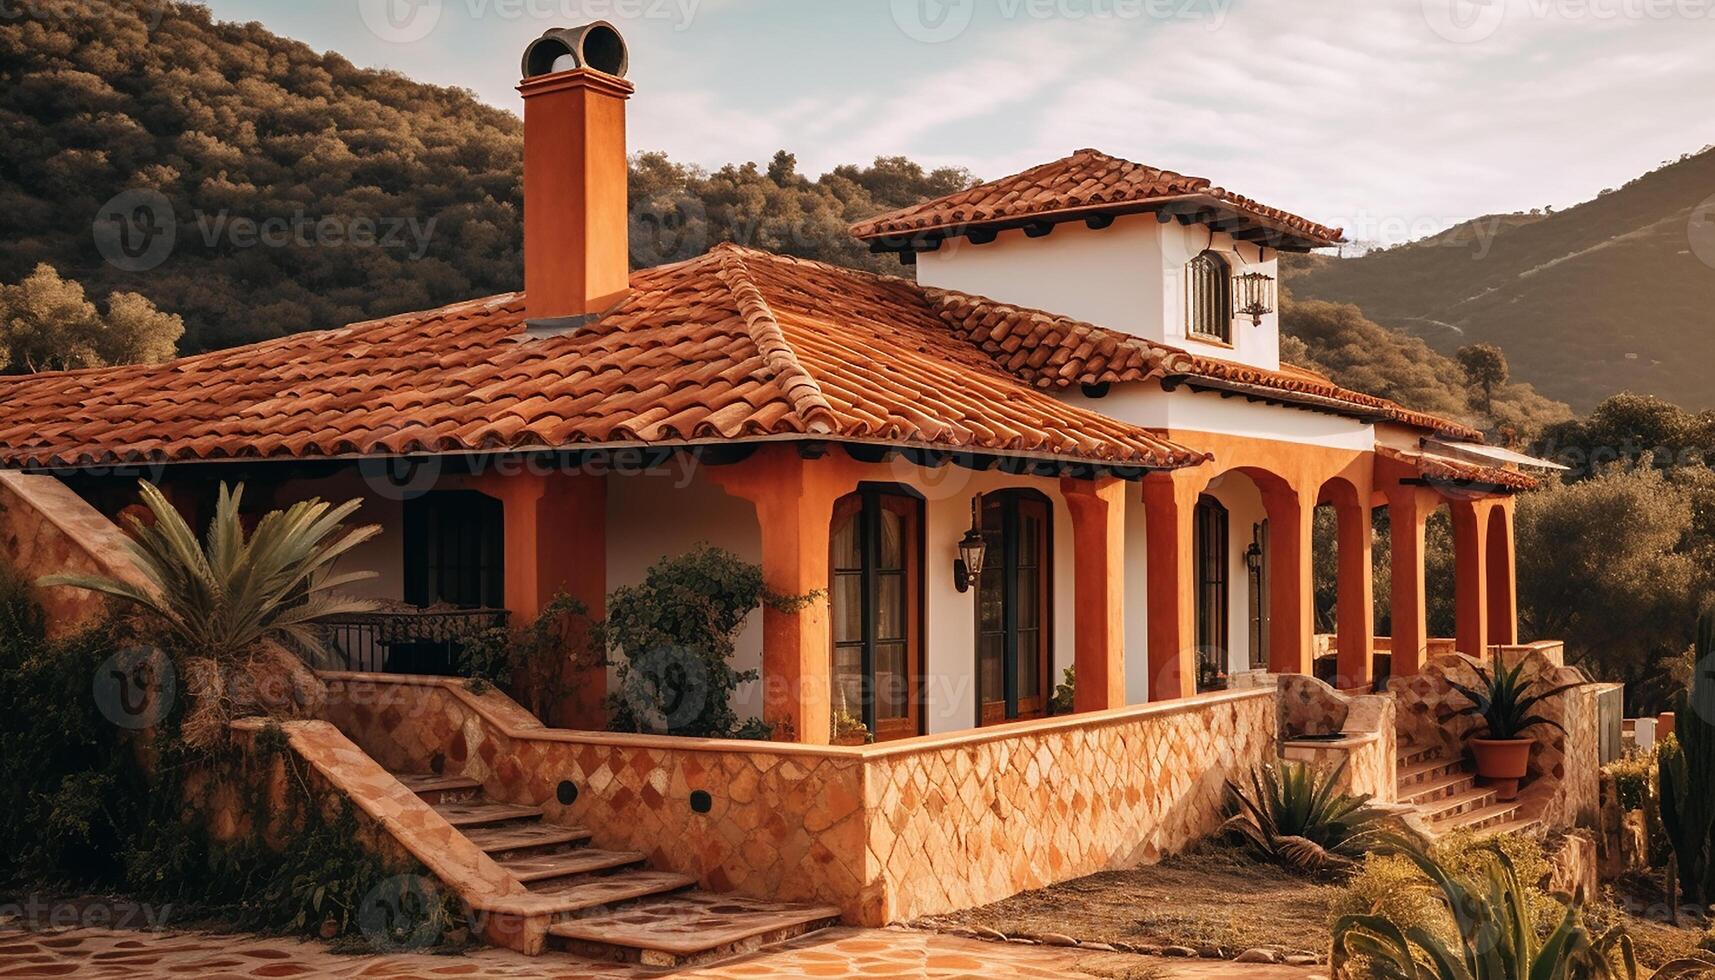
column 1615, row 294
column 305, row 192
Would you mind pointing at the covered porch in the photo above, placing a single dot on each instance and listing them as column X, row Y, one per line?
column 1150, row 584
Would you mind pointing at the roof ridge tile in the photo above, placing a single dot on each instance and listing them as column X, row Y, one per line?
column 790, row 374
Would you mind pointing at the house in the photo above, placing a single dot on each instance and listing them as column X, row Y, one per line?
column 1064, row 438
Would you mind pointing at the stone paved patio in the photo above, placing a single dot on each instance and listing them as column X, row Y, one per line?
column 832, row 954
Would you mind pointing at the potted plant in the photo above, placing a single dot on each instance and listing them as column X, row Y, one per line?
column 1504, row 702
column 849, row 729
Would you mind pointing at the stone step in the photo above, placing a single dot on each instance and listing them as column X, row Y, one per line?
column 688, row 929
column 440, row 789
column 482, row 813
column 1482, row 818
column 1411, row 754
column 508, row 841
column 1451, row 806
column 1418, row 772
column 1528, row 825
column 1438, row 788
column 591, row 895
column 541, row 872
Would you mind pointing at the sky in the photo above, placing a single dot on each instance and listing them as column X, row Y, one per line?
column 1390, row 118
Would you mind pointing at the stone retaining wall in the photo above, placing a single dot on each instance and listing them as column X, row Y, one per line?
column 886, row 832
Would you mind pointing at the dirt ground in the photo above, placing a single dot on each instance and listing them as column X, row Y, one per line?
column 1639, row 902
column 1209, row 898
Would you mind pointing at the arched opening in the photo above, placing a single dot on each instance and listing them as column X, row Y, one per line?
column 1342, row 590
column 1440, row 575
column 1231, row 577
column 875, row 558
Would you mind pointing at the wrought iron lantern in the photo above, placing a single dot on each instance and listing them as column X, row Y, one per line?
column 1255, row 294
column 973, row 549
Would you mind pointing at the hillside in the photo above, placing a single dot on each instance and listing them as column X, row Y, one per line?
column 1615, row 294
column 305, row 192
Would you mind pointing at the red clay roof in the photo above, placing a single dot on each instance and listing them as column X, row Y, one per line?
column 1055, row 352
column 1088, row 181
column 1434, row 466
column 735, row 344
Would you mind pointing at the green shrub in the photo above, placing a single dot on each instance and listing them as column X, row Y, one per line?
column 1686, row 773
column 675, row 635
column 1390, row 886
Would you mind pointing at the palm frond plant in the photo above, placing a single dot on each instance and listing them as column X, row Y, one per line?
column 1297, row 816
column 215, row 604
column 1498, row 938
column 1506, row 703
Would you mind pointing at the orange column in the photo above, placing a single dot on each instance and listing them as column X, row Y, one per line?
column 555, row 540
column 1471, row 566
column 1502, row 574
column 794, row 499
column 1098, row 564
column 1291, row 602
column 1169, row 500
column 1408, row 510
column 1356, row 627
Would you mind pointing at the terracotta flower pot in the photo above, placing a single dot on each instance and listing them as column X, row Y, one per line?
column 1501, row 763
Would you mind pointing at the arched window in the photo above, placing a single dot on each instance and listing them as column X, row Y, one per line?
column 1210, row 526
column 876, row 558
column 1209, row 298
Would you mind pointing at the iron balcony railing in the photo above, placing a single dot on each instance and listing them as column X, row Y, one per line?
column 401, row 640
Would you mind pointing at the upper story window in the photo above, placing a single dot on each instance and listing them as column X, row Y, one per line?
column 1209, row 298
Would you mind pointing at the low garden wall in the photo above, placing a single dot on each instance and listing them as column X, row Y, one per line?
column 46, row 529
column 885, row 832
column 1324, row 727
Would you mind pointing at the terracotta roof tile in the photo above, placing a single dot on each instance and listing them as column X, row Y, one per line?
column 732, row 345
column 1434, row 466
column 1055, row 352
column 1085, row 182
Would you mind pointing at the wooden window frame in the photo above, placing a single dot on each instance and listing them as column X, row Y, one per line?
column 1211, row 570
column 423, row 586
column 870, row 499
column 1209, row 298
column 1012, row 707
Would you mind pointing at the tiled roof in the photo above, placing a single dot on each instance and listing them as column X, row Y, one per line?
column 1055, row 352
column 1086, row 182
column 1434, row 466
column 731, row 345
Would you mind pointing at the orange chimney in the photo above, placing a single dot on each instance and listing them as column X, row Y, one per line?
column 576, row 265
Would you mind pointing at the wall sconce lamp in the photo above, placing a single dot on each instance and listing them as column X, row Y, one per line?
column 1255, row 296
column 968, row 567
column 1253, row 557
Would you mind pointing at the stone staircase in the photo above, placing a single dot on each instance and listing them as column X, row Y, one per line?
column 1447, row 798
column 610, row 905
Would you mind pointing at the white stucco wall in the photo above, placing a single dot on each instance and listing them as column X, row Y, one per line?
column 1183, row 410
column 1243, row 500
column 1129, row 276
column 383, row 554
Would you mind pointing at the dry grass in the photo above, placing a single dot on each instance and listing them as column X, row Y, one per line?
column 1211, row 897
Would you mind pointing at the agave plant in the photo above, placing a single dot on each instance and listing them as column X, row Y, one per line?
column 1297, row 815
column 1498, row 939
column 1504, row 701
column 214, row 604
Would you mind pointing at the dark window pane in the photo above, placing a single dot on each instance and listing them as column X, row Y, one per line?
column 892, row 540
column 991, row 666
column 848, row 679
column 892, row 689
column 1029, row 598
column 847, row 544
column 1029, row 663
column 890, row 606
column 848, row 607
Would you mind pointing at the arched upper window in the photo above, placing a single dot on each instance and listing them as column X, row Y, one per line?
column 1209, row 298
